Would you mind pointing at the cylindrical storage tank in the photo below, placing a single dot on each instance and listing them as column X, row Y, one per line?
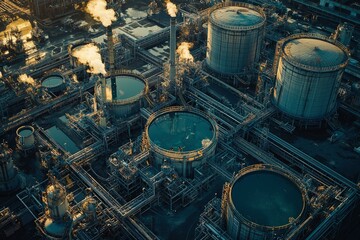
column 235, row 36
column 55, row 199
column 25, row 137
column 8, row 175
column 89, row 207
column 308, row 69
column 55, row 83
column 263, row 203
column 126, row 99
column 184, row 136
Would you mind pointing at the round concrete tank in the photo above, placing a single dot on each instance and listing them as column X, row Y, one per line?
column 124, row 98
column 25, row 137
column 263, row 203
column 235, row 35
column 308, row 69
column 184, row 136
column 54, row 83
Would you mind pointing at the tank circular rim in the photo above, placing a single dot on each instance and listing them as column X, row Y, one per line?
column 54, row 74
column 188, row 109
column 130, row 99
column 26, row 127
column 274, row 169
column 237, row 4
column 295, row 63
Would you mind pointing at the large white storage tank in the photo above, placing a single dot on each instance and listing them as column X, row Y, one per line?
column 235, row 36
column 308, row 70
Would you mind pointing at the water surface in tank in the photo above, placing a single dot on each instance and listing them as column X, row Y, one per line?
column 181, row 131
column 267, row 198
column 62, row 139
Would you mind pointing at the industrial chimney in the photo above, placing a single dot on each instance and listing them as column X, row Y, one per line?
column 111, row 60
column 172, row 49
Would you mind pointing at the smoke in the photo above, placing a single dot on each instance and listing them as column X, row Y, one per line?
column 90, row 55
column 108, row 93
column 171, row 8
column 98, row 10
column 26, row 79
column 184, row 52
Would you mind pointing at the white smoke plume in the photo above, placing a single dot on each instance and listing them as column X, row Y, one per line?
column 108, row 93
column 89, row 55
column 184, row 52
column 171, row 8
column 98, row 10
column 26, row 79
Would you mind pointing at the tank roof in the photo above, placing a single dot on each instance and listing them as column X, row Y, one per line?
column 181, row 131
column 236, row 16
column 314, row 52
column 267, row 198
column 52, row 81
column 127, row 86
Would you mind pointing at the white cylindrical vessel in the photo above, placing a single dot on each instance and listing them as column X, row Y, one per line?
column 183, row 136
column 308, row 69
column 25, row 137
column 56, row 201
column 235, row 36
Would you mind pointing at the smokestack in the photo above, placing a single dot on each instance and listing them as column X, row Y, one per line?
column 111, row 60
column 172, row 48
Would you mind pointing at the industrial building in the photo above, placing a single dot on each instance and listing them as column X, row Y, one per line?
column 211, row 120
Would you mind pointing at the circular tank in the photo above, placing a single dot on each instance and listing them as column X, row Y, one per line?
column 25, row 137
column 54, row 83
column 308, row 75
column 235, row 35
column 54, row 230
column 263, row 203
column 184, row 136
column 55, row 200
column 124, row 98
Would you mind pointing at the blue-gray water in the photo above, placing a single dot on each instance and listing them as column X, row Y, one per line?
column 267, row 198
column 180, row 130
column 62, row 139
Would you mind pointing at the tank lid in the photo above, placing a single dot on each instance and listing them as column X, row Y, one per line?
column 314, row 52
column 236, row 16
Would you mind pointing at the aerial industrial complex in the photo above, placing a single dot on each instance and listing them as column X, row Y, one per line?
column 181, row 119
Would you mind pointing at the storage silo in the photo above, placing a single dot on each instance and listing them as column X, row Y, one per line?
column 263, row 202
column 235, row 36
column 308, row 70
column 184, row 136
column 25, row 139
column 56, row 222
column 125, row 100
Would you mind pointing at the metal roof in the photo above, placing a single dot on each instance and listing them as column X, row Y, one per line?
column 314, row 52
column 236, row 16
